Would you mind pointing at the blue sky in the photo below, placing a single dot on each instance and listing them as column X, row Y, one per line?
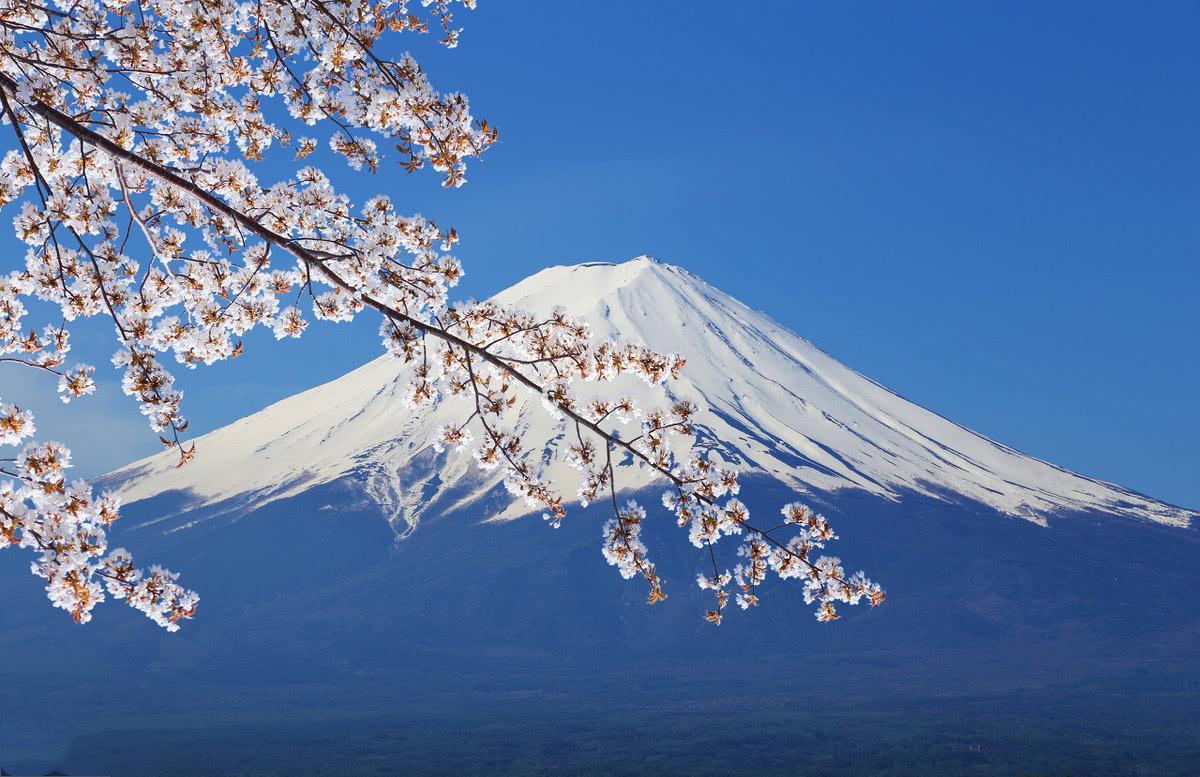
column 990, row 208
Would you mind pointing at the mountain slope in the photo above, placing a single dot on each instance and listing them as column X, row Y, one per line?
column 780, row 407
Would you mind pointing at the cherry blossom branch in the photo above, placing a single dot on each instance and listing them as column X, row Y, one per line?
column 313, row 261
column 199, row 93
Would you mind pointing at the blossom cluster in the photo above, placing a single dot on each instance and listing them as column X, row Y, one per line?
column 65, row 524
column 624, row 549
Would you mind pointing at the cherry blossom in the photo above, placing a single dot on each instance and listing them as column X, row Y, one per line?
column 134, row 182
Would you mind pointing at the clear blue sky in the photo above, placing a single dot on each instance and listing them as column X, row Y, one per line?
column 990, row 207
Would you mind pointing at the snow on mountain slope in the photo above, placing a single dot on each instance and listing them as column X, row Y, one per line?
column 780, row 405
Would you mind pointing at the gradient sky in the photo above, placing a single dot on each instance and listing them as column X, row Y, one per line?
column 989, row 207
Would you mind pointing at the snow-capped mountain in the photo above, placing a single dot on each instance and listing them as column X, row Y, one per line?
column 778, row 405
column 318, row 613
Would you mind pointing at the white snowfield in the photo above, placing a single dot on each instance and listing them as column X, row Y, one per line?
column 779, row 405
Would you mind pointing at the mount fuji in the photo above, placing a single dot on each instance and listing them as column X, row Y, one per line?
column 773, row 405
column 369, row 602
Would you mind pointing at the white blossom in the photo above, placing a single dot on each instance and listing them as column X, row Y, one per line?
column 136, row 188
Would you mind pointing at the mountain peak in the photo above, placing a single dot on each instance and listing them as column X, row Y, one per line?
column 617, row 298
column 571, row 283
column 640, row 259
